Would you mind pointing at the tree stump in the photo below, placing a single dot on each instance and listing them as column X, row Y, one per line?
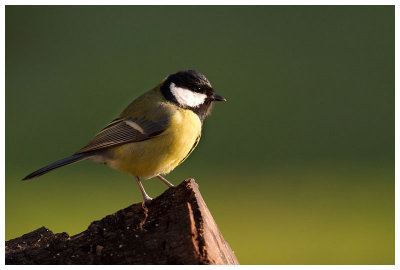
column 174, row 228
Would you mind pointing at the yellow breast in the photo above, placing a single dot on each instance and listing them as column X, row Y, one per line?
column 161, row 154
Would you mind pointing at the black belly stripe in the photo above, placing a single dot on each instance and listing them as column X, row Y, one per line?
column 191, row 149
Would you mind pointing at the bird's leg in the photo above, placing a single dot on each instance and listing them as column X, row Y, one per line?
column 146, row 197
column 165, row 181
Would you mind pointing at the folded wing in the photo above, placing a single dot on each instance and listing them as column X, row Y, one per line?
column 126, row 130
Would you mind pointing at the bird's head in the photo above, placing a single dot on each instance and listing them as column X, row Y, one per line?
column 190, row 89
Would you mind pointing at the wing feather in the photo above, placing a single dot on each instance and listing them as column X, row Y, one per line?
column 125, row 130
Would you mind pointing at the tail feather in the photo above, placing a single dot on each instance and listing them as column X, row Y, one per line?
column 57, row 164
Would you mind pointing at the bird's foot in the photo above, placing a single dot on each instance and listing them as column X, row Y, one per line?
column 147, row 199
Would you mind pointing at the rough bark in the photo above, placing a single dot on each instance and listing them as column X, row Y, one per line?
column 175, row 228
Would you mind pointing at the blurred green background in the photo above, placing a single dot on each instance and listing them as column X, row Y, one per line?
column 297, row 167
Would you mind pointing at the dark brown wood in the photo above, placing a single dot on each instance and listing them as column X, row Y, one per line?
column 175, row 228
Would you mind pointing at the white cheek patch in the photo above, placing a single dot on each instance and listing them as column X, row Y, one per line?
column 186, row 97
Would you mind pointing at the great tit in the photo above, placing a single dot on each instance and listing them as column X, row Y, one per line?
column 155, row 133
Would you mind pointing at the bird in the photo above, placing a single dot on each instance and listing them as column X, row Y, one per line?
column 154, row 134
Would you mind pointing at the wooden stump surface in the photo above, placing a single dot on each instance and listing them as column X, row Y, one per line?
column 175, row 228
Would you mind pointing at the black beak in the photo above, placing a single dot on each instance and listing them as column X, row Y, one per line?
column 217, row 97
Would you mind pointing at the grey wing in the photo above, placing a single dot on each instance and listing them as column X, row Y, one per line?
column 127, row 130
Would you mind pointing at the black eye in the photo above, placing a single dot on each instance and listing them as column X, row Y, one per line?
column 199, row 88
